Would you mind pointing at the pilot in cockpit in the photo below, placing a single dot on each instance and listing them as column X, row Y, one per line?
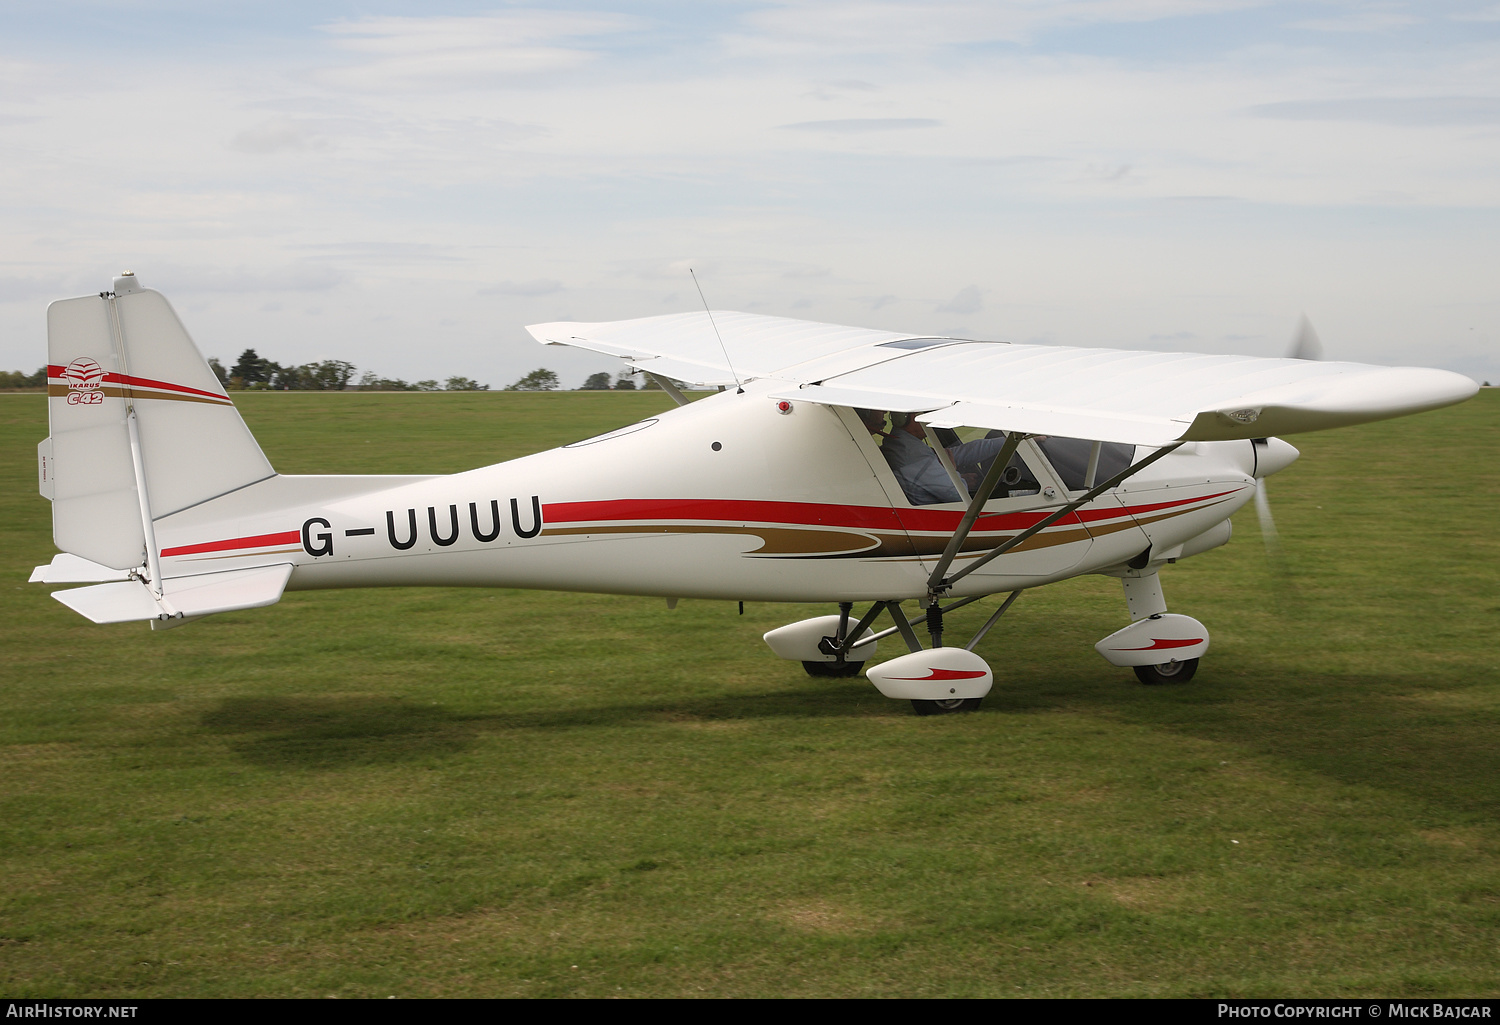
column 916, row 465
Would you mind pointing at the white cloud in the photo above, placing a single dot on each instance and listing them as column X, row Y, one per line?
column 966, row 301
column 287, row 278
column 870, row 26
column 849, row 125
column 466, row 52
column 30, row 289
column 275, row 135
column 539, row 286
column 1359, row 21
column 1415, row 111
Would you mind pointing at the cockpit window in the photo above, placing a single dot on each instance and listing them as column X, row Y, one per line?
column 925, row 480
column 1070, row 458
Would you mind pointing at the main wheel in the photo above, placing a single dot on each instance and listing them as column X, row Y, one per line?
column 1168, row 672
column 833, row 668
column 945, row 706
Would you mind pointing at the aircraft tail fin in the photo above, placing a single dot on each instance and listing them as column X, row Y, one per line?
column 140, row 426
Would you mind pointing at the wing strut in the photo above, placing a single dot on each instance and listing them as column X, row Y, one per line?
column 668, row 387
column 845, row 644
column 986, row 488
column 1041, row 525
column 1009, row 601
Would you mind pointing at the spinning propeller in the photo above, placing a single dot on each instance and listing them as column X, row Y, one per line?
column 1305, row 345
column 1267, row 522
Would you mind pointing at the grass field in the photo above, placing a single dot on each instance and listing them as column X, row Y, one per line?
column 500, row 793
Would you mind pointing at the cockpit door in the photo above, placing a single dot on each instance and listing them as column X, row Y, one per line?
column 1036, row 491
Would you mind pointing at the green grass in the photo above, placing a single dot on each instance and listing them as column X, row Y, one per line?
column 500, row 793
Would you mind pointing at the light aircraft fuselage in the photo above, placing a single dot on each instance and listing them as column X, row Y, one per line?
column 758, row 504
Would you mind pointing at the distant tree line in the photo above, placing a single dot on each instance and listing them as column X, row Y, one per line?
column 253, row 372
column 626, row 382
column 600, row 382
column 17, row 379
column 543, row 379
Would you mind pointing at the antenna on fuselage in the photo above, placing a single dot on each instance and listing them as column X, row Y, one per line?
column 739, row 389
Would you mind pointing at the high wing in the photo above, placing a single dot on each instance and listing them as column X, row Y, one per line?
column 686, row 347
column 1116, row 395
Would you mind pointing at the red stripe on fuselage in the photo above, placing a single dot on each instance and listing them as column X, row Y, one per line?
column 803, row 514
column 810, row 514
column 290, row 537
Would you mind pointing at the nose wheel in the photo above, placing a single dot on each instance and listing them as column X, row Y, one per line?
column 1167, row 672
column 833, row 669
column 945, row 706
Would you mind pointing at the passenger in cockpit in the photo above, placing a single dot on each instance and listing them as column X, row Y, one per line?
column 874, row 421
column 916, row 465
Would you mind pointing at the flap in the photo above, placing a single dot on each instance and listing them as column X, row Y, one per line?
column 862, row 399
column 1058, row 424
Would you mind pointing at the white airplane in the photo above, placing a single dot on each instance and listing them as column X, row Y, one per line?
column 787, row 485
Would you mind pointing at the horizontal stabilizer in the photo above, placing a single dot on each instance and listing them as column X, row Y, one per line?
column 70, row 569
column 130, row 601
column 122, row 602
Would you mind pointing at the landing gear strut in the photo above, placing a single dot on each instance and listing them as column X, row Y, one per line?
column 839, row 647
column 1179, row 641
column 937, row 681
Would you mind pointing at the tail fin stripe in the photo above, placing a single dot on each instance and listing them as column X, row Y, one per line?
column 58, row 385
column 57, row 391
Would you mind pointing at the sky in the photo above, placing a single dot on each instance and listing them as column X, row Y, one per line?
column 406, row 186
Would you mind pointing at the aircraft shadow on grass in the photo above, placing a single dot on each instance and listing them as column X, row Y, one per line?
column 1358, row 730
column 297, row 732
column 1377, row 731
column 331, row 732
